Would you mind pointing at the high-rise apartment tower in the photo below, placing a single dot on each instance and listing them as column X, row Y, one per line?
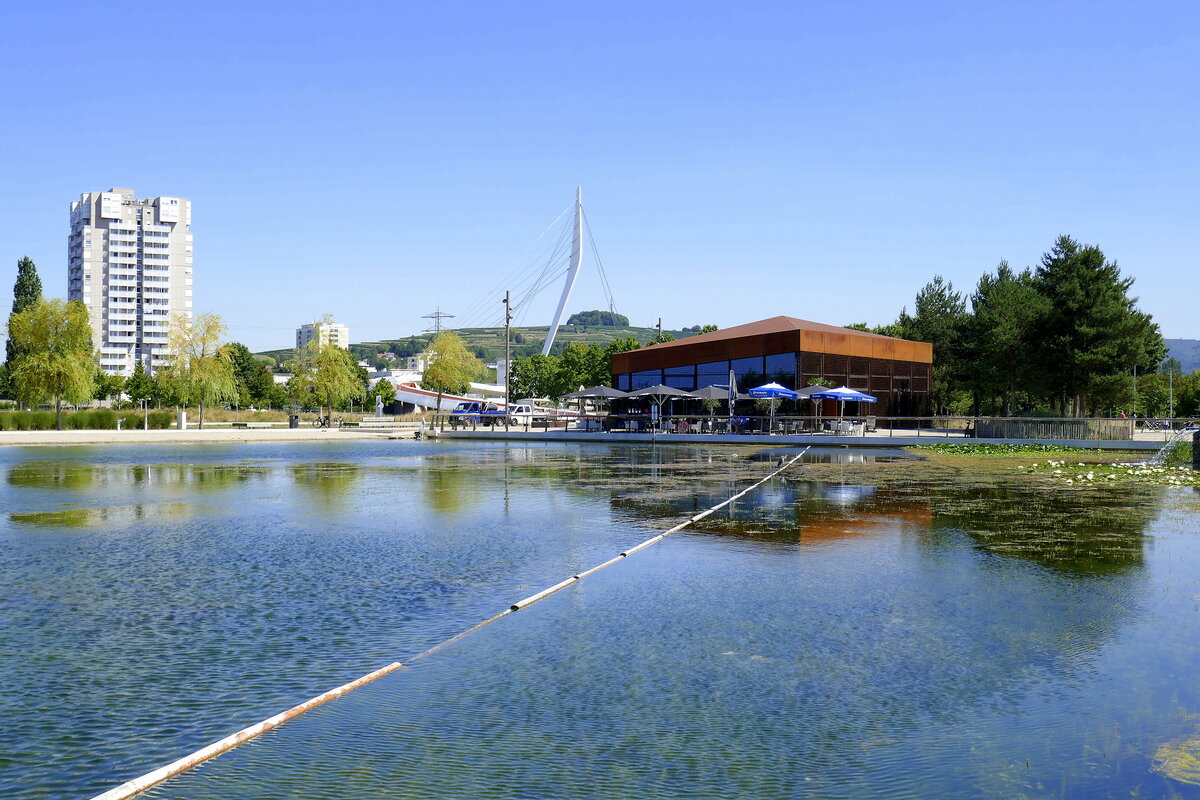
column 129, row 261
column 325, row 331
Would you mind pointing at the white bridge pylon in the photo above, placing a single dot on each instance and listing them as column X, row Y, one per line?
column 572, row 271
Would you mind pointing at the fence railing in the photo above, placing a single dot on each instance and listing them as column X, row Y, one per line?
column 941, row 427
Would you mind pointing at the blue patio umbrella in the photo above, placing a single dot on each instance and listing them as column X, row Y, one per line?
column 772, row 392
column 842, row 394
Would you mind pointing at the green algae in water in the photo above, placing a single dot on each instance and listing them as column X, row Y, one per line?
column 1180, row 760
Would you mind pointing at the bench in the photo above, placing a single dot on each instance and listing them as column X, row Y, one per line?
column 250, row 424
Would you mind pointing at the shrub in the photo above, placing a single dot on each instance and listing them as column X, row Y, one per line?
column 102, row 418
column 160, row 420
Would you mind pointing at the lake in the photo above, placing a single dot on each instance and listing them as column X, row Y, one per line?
column 831, row 637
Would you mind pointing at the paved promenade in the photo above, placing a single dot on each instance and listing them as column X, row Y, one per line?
column 196, row 436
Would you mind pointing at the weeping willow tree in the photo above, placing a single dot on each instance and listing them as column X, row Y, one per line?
column 327, row 371
column 451, row 367
column 200, row 370
column 52, row 342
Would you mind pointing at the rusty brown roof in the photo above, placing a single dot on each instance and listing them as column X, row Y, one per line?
column 765, row 326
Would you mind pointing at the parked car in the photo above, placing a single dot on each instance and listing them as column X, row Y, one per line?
column 477, row 412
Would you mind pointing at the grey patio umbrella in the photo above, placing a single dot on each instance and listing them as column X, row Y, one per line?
column 716, row 392
column 605, row 392
column 660, row 394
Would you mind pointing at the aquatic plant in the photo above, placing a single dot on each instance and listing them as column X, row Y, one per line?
column 1180, row 760
column 1083, row 474
column 997, row 448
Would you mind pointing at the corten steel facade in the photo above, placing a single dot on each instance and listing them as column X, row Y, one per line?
column 792, row 352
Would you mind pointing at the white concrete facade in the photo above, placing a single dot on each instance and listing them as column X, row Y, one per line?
column 129, row 261
column 326, row 331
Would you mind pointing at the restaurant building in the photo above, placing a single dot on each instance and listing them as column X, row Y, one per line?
column 792, row 352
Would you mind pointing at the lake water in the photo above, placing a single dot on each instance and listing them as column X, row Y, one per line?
column 821, row 639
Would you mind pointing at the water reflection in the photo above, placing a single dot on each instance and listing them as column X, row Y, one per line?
column 74, row 476
column 1091, row 534
column 104, row 515
column 329, row 487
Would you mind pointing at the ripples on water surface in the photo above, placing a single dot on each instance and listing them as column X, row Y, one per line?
column 823, row 639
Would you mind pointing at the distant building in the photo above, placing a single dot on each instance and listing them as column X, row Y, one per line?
column 326, row 331
column 792, row 352
column 129, row 261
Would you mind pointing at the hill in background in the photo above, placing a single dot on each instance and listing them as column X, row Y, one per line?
column 488, row 343
column 1187, row 351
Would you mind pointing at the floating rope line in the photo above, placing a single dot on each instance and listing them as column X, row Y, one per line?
column 140, row 784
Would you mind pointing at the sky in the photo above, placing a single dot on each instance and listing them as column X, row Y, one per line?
column 379, row 161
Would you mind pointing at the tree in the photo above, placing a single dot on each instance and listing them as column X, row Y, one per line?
column 26, row 291
column 999, row 351
column 599, row 318
column 939, row 315
column 580, row 365
column 1092, row 327
column 534, row 375
column 385, row 390
column 200, row 370
column 621, row 346
column 139, row 386
column 106, row 385
column 53, row 354
column 327, row 371
column 451, row 367
column 252, row 376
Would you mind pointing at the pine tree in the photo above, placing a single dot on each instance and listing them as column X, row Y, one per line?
column 1092, row 330
column 939, row 316
column 26, row 292
column 999, row 354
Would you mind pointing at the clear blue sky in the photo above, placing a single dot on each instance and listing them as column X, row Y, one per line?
column 738, row 161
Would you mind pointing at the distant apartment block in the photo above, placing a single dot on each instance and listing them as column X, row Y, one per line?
column 129, row 261
column 325, row 331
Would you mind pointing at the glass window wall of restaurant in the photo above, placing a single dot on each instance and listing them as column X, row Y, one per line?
column 781, row 368
column 680, row 377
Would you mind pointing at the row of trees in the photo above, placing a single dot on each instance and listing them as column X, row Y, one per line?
column 580, row 365
column 1065, row 335
column 50, row 358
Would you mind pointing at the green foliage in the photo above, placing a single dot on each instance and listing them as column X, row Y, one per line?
column 988, row 449
column 1067, row 334
column 1092, row 327
column 383, row 389
column 452, row 367
column 201, row 370
column 107, row 385
column 53, row 341
column 26, row 292
column 326, row 374
column 599, row 318
column 997, row 353
column 579, row 365
column 252, row 376
column 534, row 376
column 98, row 419
column 940, row 314
column 700, row 329
column 139, row 385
